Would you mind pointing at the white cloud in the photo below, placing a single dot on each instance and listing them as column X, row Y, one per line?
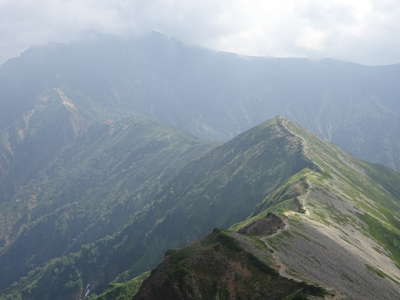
column 366, row 31
column 312, row 39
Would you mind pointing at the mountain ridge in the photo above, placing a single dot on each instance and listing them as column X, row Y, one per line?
column 320, row 234
column 213, row 95
column 325, row 196
column 91, row 189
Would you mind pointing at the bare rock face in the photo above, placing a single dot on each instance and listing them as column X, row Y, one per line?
column 264, row 226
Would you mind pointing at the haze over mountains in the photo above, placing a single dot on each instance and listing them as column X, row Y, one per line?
column 113, row 151
column 211, row 94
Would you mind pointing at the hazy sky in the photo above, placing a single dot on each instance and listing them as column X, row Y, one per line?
column 366, row 31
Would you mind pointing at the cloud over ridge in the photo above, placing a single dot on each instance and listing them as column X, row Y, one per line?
column 365, row 31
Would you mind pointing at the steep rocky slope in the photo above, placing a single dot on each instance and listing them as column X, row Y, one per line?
column 338, row 226
column 31, row 142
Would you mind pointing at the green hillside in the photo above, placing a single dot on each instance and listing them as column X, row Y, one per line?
column 339, row 230
column 340, row 219
column 92, row 187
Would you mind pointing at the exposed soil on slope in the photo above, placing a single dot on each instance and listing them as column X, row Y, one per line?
column 264, row 226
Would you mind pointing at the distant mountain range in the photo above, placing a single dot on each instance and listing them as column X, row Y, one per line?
column 114, row 151
column 213, row 95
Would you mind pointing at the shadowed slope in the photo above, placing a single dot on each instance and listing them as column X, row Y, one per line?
column 340, row 227
column 91, row 190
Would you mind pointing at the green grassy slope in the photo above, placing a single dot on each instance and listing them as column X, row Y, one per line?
column 90, row 190
column 122, row 290
column 342, row 222
column 219, row 189
column 341, row 231
column 340, row 214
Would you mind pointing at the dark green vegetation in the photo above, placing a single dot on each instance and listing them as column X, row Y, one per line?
column 218, row 189
column 33, row 140
column 90, row 190
column 220, row 266
column 327, row 240
column 275, row 167
column 92, row 193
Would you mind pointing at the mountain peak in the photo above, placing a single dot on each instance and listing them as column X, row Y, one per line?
column 325, row 213
column 334, row 217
